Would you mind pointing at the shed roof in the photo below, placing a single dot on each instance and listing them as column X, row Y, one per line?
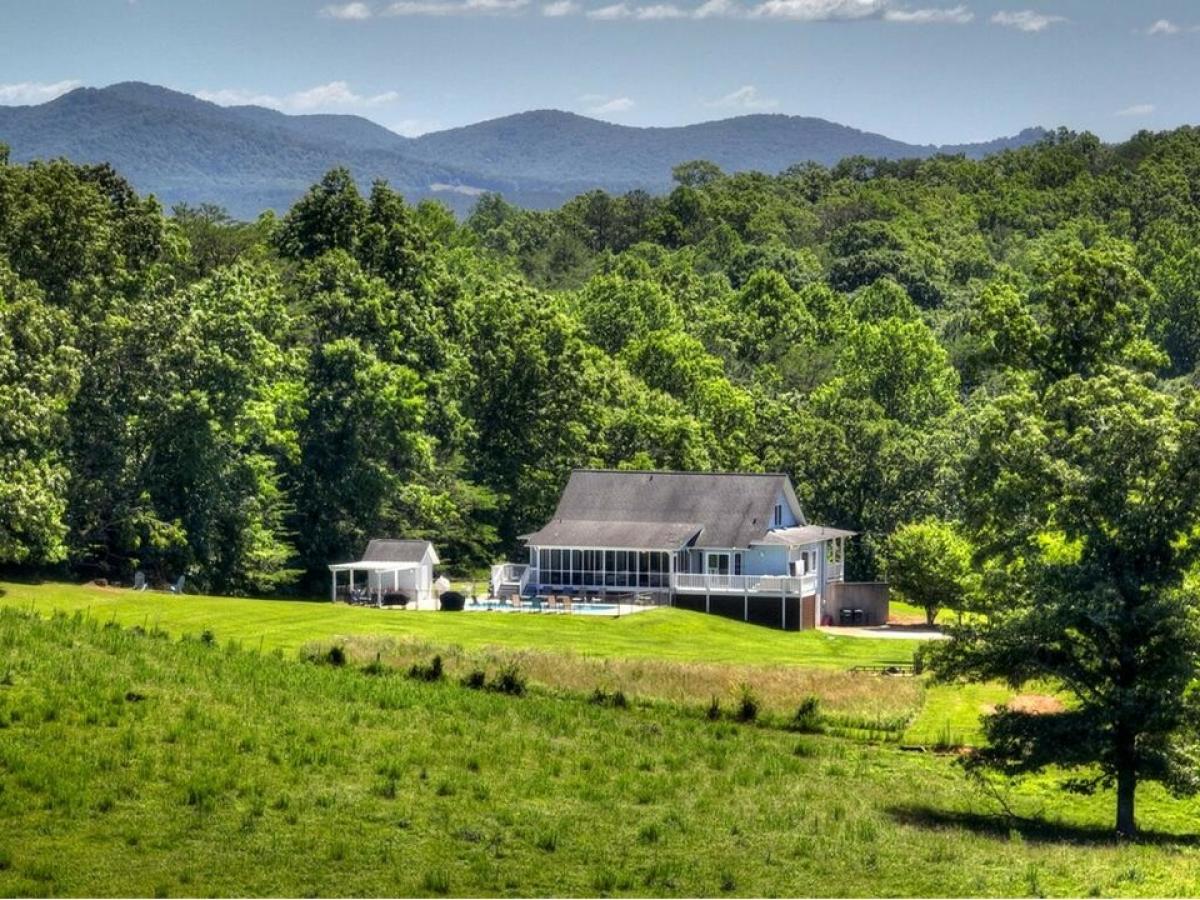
column 398, row 550
column 731, row 509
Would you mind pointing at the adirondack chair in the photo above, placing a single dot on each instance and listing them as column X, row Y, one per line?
column 139, row 580
column 177, row 587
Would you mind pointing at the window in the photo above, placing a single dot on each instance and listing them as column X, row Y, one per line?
column 718, row 564
column 737, row 564
column 778, row 515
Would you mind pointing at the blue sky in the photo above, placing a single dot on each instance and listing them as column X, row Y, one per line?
column 927, row 71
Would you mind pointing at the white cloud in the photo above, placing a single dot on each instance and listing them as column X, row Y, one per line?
column 335, row 95
column 712, row 9
column 660, row 11
column 602, row 106
column 820, row 10
column 610, row 13
column 954, row 15
column 355, row 12
column 745, row 97
column 455, row 7
column 1164, row 26
column 27, row 93
column 560, row 8
column 1026, row 20
column 1137, row 110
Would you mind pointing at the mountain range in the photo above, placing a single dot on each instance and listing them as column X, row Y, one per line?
column 249, row 158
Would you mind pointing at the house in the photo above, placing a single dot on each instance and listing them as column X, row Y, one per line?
column 391, row 569
column 733, row 544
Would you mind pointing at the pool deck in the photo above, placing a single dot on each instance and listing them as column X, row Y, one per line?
column 577, row 609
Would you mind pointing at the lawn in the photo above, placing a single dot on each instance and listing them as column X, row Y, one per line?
column 139, row 764
column 669, row 634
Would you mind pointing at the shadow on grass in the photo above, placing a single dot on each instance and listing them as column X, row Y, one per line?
column 1033, row 830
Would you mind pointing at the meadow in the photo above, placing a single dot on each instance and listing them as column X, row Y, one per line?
column 133, row 762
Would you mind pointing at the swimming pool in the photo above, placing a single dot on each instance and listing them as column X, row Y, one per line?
column 583, row 608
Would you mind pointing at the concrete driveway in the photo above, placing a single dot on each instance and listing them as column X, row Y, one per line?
column 897, row 632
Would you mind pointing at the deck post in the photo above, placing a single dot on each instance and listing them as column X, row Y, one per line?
column 333, row 587
column 745, row 607
column 783, row 606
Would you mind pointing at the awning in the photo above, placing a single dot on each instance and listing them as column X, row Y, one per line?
column 369, row 565
column 803, row 534
column 614, row 535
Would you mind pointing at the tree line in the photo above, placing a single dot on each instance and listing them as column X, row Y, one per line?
column 986, row 367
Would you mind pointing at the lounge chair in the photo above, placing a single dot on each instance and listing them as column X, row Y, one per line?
column 177, row 587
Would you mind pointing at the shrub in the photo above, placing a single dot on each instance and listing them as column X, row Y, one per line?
column 336, row 655
column 431, row 672
column 207, row 637
column 476, row 679
column 747, row 705
column 375, row 667
column 453, row 601
column 714, row 710
column 509, row 680
column 808, row 715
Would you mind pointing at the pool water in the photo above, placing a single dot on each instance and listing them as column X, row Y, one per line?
column 587, row 609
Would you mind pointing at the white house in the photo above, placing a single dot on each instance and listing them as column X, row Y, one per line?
column 391, row 571
column 734, row 544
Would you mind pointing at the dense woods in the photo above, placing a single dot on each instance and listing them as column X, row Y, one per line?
column 986, row 367
column 244, row 402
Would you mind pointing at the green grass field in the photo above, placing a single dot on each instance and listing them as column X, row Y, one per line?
column 140, row 764
column 669, row 634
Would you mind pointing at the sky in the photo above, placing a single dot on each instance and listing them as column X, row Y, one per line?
column 924, row 71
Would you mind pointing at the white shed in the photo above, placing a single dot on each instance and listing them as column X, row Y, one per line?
column 388, row 567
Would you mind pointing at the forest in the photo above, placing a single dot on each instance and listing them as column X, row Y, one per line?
column 987, row 368
column 243, row 402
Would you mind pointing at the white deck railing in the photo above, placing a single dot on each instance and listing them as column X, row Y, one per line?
column 521, row 575
column 835, row 571
column 746, row 584
column 509, row 573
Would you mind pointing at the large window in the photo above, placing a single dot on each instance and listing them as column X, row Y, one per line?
column 718, row 564
column 603, row 568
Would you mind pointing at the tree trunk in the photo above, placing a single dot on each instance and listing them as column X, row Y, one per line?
column 1126, row 787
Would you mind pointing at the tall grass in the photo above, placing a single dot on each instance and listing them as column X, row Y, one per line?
column 138, row 766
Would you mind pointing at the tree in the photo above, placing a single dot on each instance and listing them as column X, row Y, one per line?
column 39, row 374
column 928, row 563
column 1104, row 470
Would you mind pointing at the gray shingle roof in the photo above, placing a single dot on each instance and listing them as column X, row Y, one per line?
column 731, row 509
column 615, row 534
column 390, row 550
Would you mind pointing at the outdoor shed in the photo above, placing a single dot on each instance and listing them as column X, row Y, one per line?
column 390, row 570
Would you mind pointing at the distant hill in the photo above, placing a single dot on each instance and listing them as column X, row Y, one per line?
column 563, row 147
column 249, row 158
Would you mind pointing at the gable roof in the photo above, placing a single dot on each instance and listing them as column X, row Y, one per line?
column 728, row 509
column 393, row 550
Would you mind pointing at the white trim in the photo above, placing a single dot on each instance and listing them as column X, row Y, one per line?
column 372, row 566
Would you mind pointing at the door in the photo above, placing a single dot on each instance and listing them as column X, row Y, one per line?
column 716, row 567
column 808, row 612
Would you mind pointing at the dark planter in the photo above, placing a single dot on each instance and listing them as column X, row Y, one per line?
column 395, row 598
column 452, row 601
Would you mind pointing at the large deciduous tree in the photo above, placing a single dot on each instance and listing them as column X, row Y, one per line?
column 1086, row 500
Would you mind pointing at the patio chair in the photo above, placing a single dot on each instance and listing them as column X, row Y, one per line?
column 536, row 603
column 177, row 587
column 139, row 580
